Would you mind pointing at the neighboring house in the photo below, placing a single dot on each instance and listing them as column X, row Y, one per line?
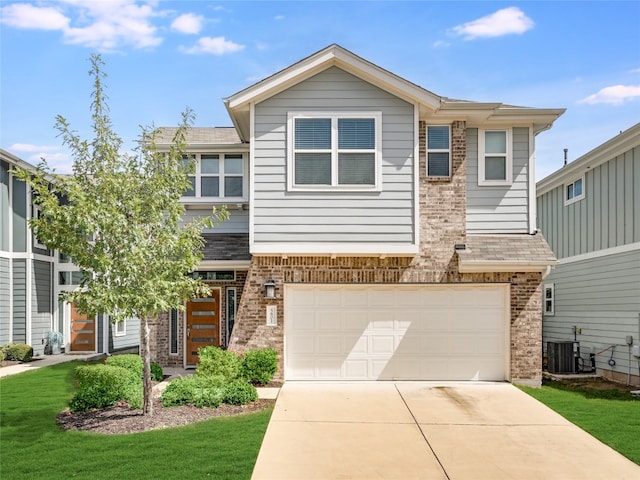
column 589, row 211
column 377, row 230
column 32, row 278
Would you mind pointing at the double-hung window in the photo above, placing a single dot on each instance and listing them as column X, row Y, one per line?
column 438, row 151
column 120, row 327
column 549, row 299
column 574, row 191
column 494, row 157
column 334, row 150
column 216, row 175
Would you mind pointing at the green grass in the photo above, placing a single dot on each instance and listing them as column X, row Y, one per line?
column 610, row 415
column 33, row 447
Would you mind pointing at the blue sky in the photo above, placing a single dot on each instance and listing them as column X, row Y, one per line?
column 162, row 56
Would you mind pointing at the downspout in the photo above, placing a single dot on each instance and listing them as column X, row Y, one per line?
column 546, row 272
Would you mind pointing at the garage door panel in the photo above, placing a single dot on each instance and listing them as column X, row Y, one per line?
column 382, row 344
column 370, row 332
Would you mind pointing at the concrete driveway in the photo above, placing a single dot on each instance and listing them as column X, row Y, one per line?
column 424, row 430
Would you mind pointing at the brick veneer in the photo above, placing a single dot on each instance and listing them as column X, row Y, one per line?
column 442, row 204
column 159, row 344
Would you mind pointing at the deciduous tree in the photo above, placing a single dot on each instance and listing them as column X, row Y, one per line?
column 119, row 218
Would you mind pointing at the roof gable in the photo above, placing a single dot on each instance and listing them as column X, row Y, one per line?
column 429, row 104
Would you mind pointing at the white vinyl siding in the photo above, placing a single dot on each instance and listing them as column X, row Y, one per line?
column 383, row 218
column 499, row 208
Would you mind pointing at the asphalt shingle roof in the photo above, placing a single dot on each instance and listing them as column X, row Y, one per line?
column 226, row 246
column 512, row 249
column 201, row 136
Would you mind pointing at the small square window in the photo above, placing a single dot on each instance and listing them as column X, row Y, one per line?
column 574, row 191
column 120, row 328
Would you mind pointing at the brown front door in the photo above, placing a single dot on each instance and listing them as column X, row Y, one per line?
column 83, row 332
column 203, row 324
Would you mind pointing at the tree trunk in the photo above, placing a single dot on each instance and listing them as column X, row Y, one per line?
column 145, row 352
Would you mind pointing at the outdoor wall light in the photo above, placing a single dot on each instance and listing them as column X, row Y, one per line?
column 270, row 289
column 460, row 246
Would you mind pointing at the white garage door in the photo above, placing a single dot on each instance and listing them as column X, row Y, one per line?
column 382, row 332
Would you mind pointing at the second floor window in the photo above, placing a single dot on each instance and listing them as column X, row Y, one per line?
column 574, row 191
column 334, row 150
column 438, row 151
column 217, row 175
column 494, row 157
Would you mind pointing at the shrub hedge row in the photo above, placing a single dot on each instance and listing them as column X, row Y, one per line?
column 19, row 352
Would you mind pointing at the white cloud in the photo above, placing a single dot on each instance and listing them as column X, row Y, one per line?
column 214, row 46
column 440, row 44
column 33, row 154
column 104, row 25
column 614, row 95
column 22, row 15
column 188, row 23
column 279, row 17
column 506, row 21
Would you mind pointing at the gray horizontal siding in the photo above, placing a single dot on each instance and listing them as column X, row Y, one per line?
column 335, row 217
column 238, row 221
column 4, row 206
column 19, row 205
column 41, row 304
column 130, row 340
column 499, row 209
column 601, row 296
column 607, row 217
column 19, row 301
column 5, row 300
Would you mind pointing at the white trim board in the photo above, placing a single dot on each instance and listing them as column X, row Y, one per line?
column 600, row 253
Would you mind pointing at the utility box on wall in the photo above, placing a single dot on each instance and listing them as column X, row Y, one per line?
column 561, row 357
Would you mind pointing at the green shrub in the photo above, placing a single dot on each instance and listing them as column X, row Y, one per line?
column 239, row 393
column 179, row 392
column 19, row 352
column 215, row 361
column 111, row 376
column 130, row 361
column 193, row 390
column 156, row 373
column 259, row 366
column 2, row 355
column 101, row 386
column 94, row 396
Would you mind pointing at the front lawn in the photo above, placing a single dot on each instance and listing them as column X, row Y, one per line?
column 34, row 447
column 609, row 414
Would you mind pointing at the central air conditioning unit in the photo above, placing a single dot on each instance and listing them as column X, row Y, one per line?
column 562, row 357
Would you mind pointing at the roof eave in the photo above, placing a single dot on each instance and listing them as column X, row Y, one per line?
column 489, row 266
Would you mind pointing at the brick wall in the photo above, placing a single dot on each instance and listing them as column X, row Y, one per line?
column 442, row 204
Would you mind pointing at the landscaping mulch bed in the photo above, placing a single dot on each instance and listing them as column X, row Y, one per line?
column 121, row 419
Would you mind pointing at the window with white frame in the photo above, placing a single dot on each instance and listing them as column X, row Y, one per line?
column 495, row 162
column 549, row 299
column 334, row 150
column 574, row 191
column 120, row 327
column 438, row 151
column 216, row 175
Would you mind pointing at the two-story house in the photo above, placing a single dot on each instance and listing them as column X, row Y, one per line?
column 589, row 211
column 377, row 231
column 32, row 277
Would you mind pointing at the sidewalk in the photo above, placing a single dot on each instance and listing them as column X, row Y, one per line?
column 47, row 360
